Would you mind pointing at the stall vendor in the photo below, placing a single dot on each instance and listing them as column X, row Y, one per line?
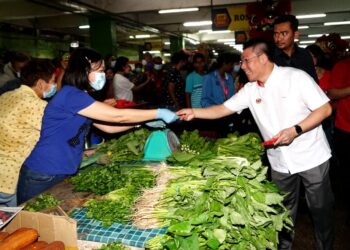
column 68, row 117
column 288, row 106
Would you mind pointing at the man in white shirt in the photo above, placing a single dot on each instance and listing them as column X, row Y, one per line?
column 288, row 106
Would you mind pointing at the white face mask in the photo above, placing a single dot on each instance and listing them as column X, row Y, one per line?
column 144, row 62
column 236, row 68
column 113, row 63
column 158, row 66
column 18, row 74
column 100, row 81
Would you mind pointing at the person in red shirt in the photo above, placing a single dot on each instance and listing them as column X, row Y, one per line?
column 340, row 91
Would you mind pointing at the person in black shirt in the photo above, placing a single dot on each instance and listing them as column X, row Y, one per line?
column 287, row 52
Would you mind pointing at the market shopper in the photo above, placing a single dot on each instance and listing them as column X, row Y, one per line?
column 66, row 120
column 288, row 106
column 21, row 112
column 287, row 52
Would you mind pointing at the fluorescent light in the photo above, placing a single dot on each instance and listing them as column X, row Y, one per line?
column 177, row 10
column 214, row 31
column 216, row 53
column 167, row 54
column 303, row 46
column 213, row 50
column 83, row 27
column 74, row 44
column 311, row 16
column 306, row 42
column 226, row 40
column 238, row 47
column 193, row 41
column 142, row 36
column 337, row 23
column 131, row 37
column 345, row 37
column 152, row 52
column 199, row 23
column 166, row 43
column 230, row 43
column 303, row 27
column 316, row 35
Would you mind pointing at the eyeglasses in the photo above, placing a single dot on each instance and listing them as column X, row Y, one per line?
column 247, row 60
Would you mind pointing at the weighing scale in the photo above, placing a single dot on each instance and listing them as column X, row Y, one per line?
column 160, row 144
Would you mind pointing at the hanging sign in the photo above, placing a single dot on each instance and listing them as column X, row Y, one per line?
column 232, row 18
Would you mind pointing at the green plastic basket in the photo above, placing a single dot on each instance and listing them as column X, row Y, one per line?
column 160, row 144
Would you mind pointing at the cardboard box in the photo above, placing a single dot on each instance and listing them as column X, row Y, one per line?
column 51, row 227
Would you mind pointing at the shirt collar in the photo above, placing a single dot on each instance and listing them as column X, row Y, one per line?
column 28, row 89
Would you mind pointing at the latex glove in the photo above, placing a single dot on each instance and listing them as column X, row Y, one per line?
column 166, row 115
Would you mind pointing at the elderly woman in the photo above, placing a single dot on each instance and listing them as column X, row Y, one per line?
column 68, row 117
column 21, row 113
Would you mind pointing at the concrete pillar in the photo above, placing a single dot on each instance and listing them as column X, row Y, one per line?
column 176, row 44
column 103, row 36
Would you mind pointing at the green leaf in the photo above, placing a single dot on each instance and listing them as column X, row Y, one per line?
column 236, row 218
column 183, row 228
column 213, row 243
column 219, row 234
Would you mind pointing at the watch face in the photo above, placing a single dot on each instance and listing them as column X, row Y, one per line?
column 298, row 129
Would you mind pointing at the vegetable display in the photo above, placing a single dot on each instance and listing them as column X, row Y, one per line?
column 42, row 202
column 113, row 246
column 128, row 147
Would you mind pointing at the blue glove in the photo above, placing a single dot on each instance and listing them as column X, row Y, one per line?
column 156, row 124
column 166, row 115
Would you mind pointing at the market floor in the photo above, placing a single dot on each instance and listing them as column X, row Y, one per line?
column 304, row 236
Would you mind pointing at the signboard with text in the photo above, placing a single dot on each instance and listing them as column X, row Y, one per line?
column 231, row 18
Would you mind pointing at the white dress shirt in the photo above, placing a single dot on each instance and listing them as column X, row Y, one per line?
column 287, row 98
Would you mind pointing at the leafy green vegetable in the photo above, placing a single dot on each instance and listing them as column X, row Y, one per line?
column 113, row 246
column 42, row 202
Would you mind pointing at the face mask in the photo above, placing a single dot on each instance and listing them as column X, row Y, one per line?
column 18, row 74
column 51, row 92
column 236, row 68
column 113, row 63
column 144, row 62
column 100, row 80
column 158, row 66
column 138, row 70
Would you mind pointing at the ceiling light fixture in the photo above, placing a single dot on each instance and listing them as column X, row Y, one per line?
column 316, row 35
column 142, row 36
column 303, row 27
column 199, row 23
column 311, row 16
column 131, row 37
column 151, row 52
column 84, row 27
column 337, row 23
column 167, row 54
column 166, row 43
column 168, row 11
column 345, row 37
column 306, row 42
column 214, row 31
column 226, row 40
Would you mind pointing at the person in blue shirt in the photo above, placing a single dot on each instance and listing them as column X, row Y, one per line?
column 194, row 82
column 218, row 86
column 68, row 117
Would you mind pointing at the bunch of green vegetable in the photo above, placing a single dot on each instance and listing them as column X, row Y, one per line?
column 193, row 149
column 113, row 246
column 128, row 147
column 247, row 146
column 233, row 207
column 104, row 179
column 42, row 202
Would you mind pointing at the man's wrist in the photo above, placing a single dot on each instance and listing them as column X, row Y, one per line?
column 298, row 129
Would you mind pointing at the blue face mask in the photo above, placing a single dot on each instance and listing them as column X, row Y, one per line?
column 113, row 63
column 100, row 81
column 51, row 92
column 236, row 68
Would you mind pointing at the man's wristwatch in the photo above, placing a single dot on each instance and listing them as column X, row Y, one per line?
column 298, row 129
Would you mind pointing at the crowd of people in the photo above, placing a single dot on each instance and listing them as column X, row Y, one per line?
column 292, row 94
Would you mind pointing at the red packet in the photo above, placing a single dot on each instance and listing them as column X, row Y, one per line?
column 269, row 142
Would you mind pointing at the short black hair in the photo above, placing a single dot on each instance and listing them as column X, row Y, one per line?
column 79, row 67
column 121, row 62
column 198, row 56
column 178, row 56
column 260, row 46
column 320, row 56
column 293, row 21
column 37, row 69
column 226, row 58
column 20, row 57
